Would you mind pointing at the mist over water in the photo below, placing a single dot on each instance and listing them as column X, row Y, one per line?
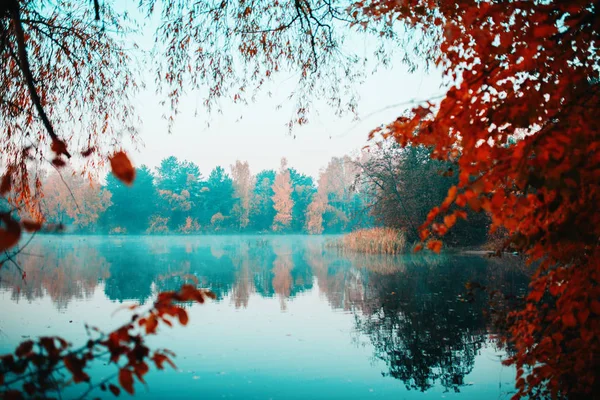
column 293, row 318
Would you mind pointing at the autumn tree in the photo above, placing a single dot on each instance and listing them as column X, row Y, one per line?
column 243, row 184
column 314, row 213
column 282, row 198
column 71, row 199
column 521, row 110
column 525, row 72
column 179, row 190
column 50, row 89
column 336, row 205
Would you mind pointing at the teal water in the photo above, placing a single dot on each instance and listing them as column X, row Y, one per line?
column 293, row 318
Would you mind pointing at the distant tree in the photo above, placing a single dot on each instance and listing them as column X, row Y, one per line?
column 243, row 185
column 132, row 207
column 314, row 213
column 73, row 199
column 217, row 221
column 282, row 198
column 404, row 184
column 334, row 208
column 218, row 194
column 190, row 226
column 175, row 175
column 180, row 190
column 303, row 189
column 158, row 224
column 263, row 211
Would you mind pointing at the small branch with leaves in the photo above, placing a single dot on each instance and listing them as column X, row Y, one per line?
column 34, row 370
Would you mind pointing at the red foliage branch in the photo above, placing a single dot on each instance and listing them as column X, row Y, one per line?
column 34, row 364
column 521, row 119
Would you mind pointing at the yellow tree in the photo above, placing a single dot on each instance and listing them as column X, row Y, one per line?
column 282, row 199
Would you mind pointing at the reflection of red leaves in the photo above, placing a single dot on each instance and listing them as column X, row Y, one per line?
column 126, row 380
column 122, row 168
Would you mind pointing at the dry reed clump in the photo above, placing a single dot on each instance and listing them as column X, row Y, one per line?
column 373, row 241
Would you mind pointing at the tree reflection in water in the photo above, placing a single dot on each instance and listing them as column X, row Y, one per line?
column 408, row 307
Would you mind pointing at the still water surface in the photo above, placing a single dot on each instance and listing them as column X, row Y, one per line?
column 293, row 319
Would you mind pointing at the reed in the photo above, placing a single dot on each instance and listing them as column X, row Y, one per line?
column 372, row 241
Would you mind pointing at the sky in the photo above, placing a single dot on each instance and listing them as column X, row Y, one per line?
column 258, row 133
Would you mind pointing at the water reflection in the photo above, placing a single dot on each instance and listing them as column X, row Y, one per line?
column 407, row 307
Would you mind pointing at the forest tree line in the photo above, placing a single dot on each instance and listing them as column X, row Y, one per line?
column 385, row 186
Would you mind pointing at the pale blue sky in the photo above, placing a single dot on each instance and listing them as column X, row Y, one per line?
column 261, row 136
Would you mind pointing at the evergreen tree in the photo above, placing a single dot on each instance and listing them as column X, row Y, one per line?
column 132, row 206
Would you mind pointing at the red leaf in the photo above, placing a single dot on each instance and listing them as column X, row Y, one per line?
column 58, row 162
column 75, row 366
column 122, row 168
column 24, row 348
column 88, row 152
column 114, row 389
column 182, row 315
column 583, row 315
column 595, row 307
column 140, row 370
column 151, row 324
column 59, row 147
column 126, row 380
column 6, row 184
column 159, row 359
column 450, row 220
column 10, row 235
column 535, row 295
column 569, row 320
column 31, row 226
column 434, row 245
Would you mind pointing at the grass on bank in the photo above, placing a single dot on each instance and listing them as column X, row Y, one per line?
column 372, row 241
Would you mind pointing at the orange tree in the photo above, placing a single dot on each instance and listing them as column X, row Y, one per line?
column 522, row 112
column 520, row 118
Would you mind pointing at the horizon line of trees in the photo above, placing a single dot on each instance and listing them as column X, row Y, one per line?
column 385, row 186
column 177, row 198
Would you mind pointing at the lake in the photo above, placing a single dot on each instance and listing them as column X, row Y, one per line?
column 293, row 318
